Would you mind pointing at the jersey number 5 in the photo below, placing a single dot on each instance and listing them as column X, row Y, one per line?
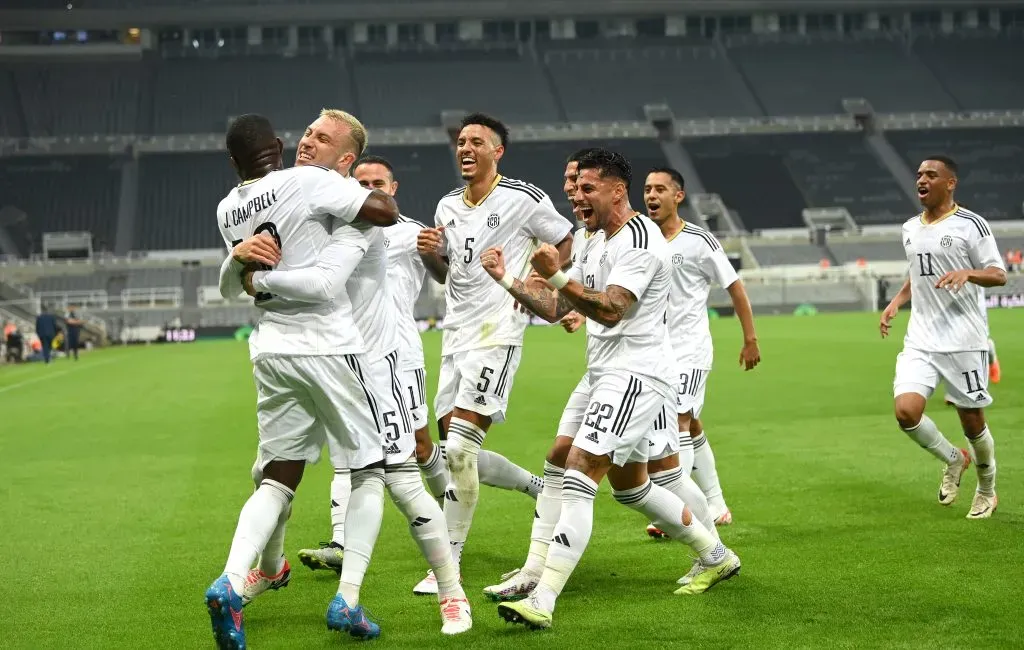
column 469, row 250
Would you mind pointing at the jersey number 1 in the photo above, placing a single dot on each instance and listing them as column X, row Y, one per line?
column 924, row 260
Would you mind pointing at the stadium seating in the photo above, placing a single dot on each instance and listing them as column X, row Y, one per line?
column 11, row 121
column 991, row 164
column 511, row 86
column 980, row 69
column 178, row 197
column 770, row 179
column 870, row 251
column 812, row 77
column 770, row 254
column 63, row 193
column 696, row 80
column 201, row 96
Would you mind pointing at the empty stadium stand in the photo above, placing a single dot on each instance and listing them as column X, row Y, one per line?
column 991, row 164
column 812, row 76
column 980, row 69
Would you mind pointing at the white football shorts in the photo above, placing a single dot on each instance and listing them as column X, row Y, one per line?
column 478, row 380
column 414, row 390
column 663, row 441
column 690, row 392
column 965, row 375
column 620, row 417
column 394, row 419
column 304, row 402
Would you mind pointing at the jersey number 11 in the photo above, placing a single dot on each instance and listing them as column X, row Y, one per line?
column 924, row 260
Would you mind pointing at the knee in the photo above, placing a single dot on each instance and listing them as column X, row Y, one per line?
column 908, row 413
column 558, row 455
column 462, row 454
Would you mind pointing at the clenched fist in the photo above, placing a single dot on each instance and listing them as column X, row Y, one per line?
column 493, row 261
column 260, row 249
column 430, row 240
column 545, row 260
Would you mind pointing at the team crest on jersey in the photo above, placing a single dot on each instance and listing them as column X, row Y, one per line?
column 677, row 260
column 493, row 220
column 946, row 241
column 387, row 242
column 604, row 258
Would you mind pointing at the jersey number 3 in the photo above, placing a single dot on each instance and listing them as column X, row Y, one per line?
column 271, row 229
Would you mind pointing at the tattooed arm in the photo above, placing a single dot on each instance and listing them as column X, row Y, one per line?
column 549, row 305
column 605, row 307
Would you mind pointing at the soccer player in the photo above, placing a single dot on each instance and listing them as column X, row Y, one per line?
column 307, row 358
column 697, row 260
column 375, row 314
column 622, row 288
column 952, row 256
column 483, row 333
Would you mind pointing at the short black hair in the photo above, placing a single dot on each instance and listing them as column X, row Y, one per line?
column 249, row 135
column 578, row 154
column 945, row 160
column 608, row 163
column 491, row 123
column 674, row 174
column 375, row 160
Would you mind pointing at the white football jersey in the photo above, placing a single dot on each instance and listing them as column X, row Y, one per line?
column 697, row 261
column 636, row 258
column 940, row 320
column 514, row 215
column 304, row 209
column 405, row 280
column 369, row 290
column 582, row 242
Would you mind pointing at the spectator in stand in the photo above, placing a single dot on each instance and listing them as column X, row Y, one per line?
column 15, row 352
column 74, row 328
column 46, row 330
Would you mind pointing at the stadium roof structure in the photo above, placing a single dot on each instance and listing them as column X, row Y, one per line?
column 107, row 14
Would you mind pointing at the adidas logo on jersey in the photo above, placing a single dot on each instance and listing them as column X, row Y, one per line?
column 480, row 400
column 907, row 243
column 979, row 398
column 393, row 449
column 450, row 224
column 592, row 437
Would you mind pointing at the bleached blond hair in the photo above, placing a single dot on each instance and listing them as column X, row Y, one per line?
column 356, row 129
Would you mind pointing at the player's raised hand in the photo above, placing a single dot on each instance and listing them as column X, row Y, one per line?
column 545, row 260
column 954, row 280
column 888, row 314
column 572, row 321
column 493, row 261
column 750, row 355
column 430, row 240
column 260, row 248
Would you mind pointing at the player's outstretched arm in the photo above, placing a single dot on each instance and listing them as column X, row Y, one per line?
column 750, row 355
column 429, row 245
column 315, row 284
column 379, row 209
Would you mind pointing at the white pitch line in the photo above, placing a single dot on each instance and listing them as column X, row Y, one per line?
column 55, row 374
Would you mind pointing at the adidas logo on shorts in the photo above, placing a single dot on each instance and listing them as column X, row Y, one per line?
column 592, row 437
column 480, row 400
column 393, row 449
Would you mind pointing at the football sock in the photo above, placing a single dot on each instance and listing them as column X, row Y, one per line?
column 681, row 485
column 983, row 449
column 686, row 452
column 497, row 471
column 435, row 472
column 427, row 524
column 463, row 491
column 706, row 474
column 570, row 537
column 366, row 508
column 341, row 492
column 930, row 438
column 548, row 509
column 272, row 558
column 256, row 522
column 666, row 511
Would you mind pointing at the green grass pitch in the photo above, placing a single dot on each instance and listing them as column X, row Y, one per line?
column 123, row 476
